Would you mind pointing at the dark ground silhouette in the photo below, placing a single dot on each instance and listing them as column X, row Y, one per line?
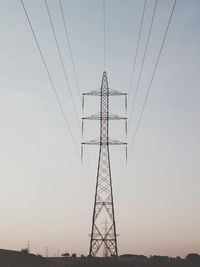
column 10, row 258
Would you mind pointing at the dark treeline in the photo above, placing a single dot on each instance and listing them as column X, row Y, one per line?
column 130, row 260
column 24, row 259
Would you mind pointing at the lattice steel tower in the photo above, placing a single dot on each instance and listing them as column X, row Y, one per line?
column 103, row 203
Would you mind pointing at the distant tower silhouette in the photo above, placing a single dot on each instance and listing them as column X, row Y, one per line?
column 28, row 246
column 105, row 250
column 46, row 252
column 103, row 204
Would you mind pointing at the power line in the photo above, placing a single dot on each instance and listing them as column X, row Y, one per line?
column 148, row 91
column 62, row 63
column 136, row 51
column 142, row 65
column 49, row 75
column 86, row 171
column 70, row 50
column 153, row 75
column 137, row 47
column 52, row 84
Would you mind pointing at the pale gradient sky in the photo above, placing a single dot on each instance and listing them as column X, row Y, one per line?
column 44, row 197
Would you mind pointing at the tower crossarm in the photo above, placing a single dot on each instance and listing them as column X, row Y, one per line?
column 110, row 92
column 110, row 117
column 110, row 142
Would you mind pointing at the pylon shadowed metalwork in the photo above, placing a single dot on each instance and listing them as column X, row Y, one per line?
column 103, row 203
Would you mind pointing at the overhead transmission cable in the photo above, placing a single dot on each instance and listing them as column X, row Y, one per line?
column 142, row 65
column 153, row 75
column 50, row 78
column 70, row 49
column 63, row 66
column 137, row 47
column 150, row 84
column 136, row 54
column 136, row 50
column 85, row 168
column 51, row 81
column 72, row 60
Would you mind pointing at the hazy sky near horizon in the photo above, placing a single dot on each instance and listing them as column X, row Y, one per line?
column 44, row 195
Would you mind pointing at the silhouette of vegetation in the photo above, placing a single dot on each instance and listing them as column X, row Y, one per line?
column 24, row 250
column 134, row 256
column 65, row 255
column 83, row 256
column 193, row 257
column 24, row 259
column 73, row 255
column 159, row 258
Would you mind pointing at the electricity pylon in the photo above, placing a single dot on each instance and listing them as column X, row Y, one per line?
column 103, row 203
